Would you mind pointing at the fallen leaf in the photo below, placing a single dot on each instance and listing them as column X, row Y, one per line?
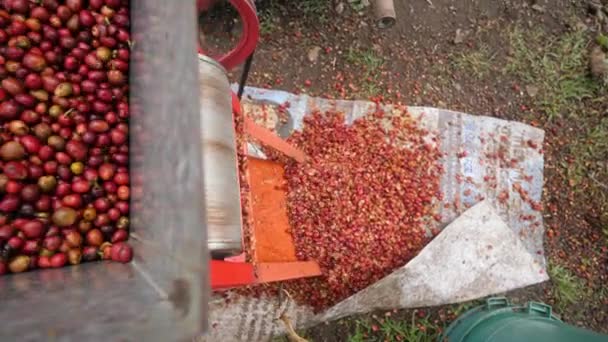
column 313, row 54
column 459, row 37
column 538, row 8
column 532, row 90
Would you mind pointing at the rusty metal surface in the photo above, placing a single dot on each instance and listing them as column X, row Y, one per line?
column 222, row 194
column 162, row 294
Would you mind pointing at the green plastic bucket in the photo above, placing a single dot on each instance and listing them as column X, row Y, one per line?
column 500, row 321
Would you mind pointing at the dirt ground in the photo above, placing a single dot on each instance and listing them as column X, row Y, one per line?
column 516, row 60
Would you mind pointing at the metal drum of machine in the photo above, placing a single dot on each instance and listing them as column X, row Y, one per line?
column 272, row 251
column 221, row 183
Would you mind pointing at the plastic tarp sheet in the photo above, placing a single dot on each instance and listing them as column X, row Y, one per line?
column 492, row 230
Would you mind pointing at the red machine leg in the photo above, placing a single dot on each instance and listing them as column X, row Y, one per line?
column 225, row 274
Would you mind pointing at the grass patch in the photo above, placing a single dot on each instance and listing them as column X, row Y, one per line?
column 567, row 287
column 268, row 25
column 605, row 234
column 601, row 295
column 558, row 66
column 387, row 329
column 602, row 40
column 590, row 168
column 358, row 5
column 478, row 63
column 461, row 308
column 364, row 58
column 268, row 13
column 316, row 9
column 368, row 62
column 271, row 12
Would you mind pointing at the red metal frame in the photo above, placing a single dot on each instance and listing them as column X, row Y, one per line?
column 225, row 274
column 234, row 271
column 249, row 37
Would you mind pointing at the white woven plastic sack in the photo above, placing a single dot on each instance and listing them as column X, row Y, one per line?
column 493, row 247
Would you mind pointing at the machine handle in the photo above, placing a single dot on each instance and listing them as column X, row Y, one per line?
column 540, row 308
column 249, row 37
column 497, row 302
